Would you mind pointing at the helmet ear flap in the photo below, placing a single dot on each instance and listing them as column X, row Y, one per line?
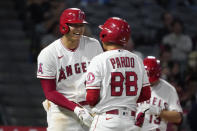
column 103, row 35
column 64, row 29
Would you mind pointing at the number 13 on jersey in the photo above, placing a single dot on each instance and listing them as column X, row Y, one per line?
column 120, row 83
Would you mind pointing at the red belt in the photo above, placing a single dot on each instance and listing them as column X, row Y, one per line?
column 83, row 103
column 116, row 112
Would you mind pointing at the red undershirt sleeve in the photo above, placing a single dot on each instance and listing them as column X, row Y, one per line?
column 49, row 88
column 93, row 96
column 145, row 94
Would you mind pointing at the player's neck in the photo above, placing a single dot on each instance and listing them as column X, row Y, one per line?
column 155, row 83
column 70, row 43
column 112, row 47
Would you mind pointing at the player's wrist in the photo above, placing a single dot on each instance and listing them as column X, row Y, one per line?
column 162, row 112
column 77, row 110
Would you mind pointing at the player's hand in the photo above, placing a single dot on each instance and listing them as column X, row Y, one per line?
column 46, row 105
column 84, row 115
column 140, row 119
column 155, row 110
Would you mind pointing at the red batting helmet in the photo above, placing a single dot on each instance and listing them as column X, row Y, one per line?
column 152, row 65
column 115, row 30
column 71, row 15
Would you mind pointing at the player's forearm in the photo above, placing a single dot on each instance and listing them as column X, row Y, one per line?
column 171, row 116
column 60, row 100
column 49, row 88
column 145, row 94
column 92, row 96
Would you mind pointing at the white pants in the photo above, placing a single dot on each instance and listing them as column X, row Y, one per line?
column 113, row 122
column 61, row 119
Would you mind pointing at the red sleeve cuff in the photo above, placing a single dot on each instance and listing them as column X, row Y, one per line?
column 93, row 96
column 145, row 94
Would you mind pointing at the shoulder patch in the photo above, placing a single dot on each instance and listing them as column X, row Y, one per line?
column 40, row 68
column 90, row 78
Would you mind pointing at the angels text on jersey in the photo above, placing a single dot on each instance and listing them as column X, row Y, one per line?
column 68, row 70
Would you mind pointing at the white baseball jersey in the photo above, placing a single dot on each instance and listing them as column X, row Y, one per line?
column 162, row 95
column 120, row 76
column 68, row 67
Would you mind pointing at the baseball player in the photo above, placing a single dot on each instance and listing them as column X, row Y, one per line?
column 62, row 67
column 164, row 105
column 115, row 79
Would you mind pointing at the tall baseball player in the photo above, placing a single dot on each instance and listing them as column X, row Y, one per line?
column 115, row 80
column 62, row 67
column 164, row 105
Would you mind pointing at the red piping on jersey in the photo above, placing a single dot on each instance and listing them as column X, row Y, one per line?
column 93, row 96
column 49, row 88
column 147, row 84
column 92, row 86
column 45, row 76
column 96, row 123
column 72, row 50
column 145, row 94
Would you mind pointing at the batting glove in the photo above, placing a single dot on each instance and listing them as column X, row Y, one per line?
column 155, row 110
column 140, row 119
column 84, row 115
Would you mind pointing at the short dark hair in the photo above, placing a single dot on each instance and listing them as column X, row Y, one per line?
column 163, row 15
column 179, row 21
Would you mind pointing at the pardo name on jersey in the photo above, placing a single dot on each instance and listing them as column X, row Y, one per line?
column 122, row 62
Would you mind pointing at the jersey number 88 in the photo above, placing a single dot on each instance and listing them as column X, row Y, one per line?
column 123, row 82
